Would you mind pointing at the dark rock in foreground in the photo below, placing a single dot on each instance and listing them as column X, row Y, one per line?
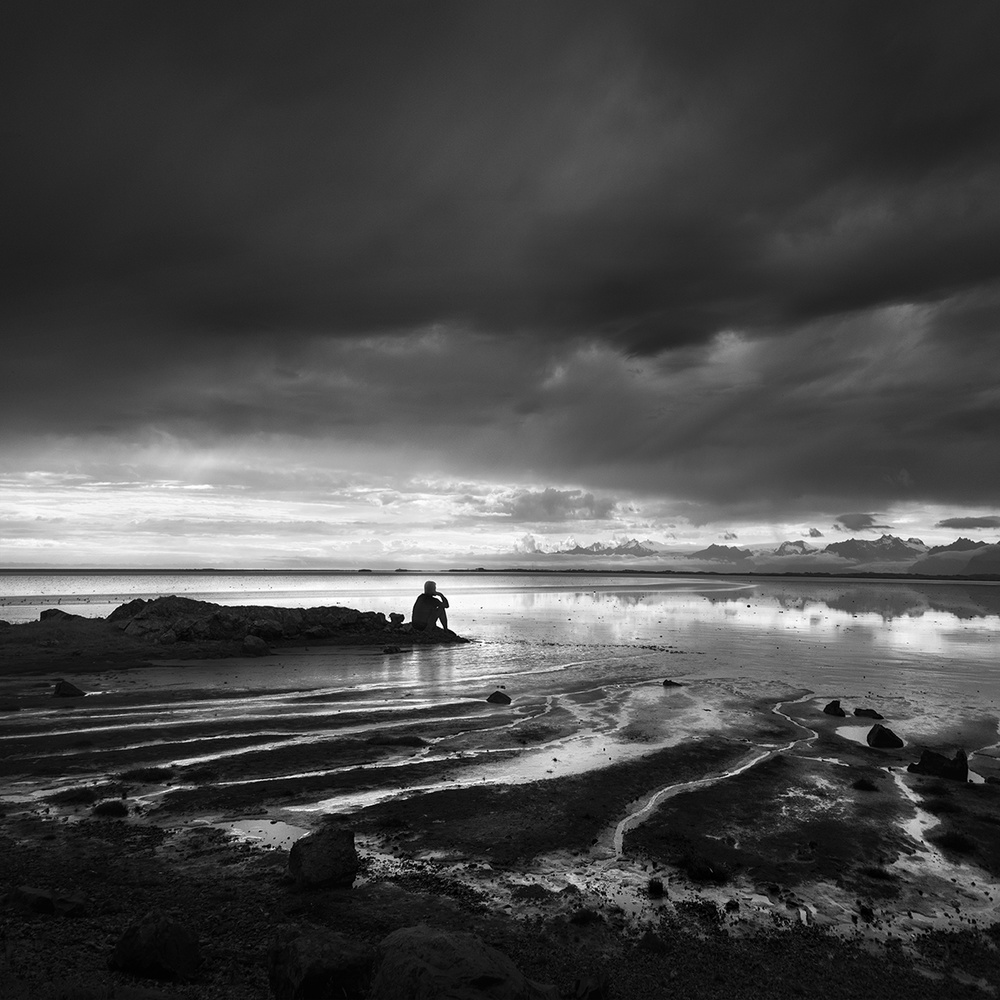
column 499, row 698
column 939, row 766
column 31, row 900
column 254, row 645
column 325, row 857
column 882, row 738
column 158, row 947
column 834, row 709
column 868, row 713
column 305, row 962
column 417, row 963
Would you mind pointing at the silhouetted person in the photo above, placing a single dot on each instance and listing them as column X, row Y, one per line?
column 429, row 607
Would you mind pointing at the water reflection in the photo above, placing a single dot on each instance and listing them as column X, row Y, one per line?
column 887, row 600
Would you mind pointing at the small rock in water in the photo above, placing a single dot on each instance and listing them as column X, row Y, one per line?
column 391, row 649
column 868, row 713
column 882, row 738
column 64, row 689
column 499, row 698
column 941, row 767
column 834, row 709
column 668, row 683
column 655, row 888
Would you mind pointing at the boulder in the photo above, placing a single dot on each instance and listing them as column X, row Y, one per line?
column 64, row 689
column 592, row 987
column 868, row 713
column 834, row 709
column 267, row 628
column 882, row 738
column 668, row 683
column 324, row 857
column 158, row 947
column 499, row 698
column 652, row 942
column 254, row 645
column 305, row 962
column 418, row 963
column 391, row 649
column 57, row 614
column 396, row 619
column 939, row 766
column 31, row 900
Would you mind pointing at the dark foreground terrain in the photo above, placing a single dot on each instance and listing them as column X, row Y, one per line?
column 105, row 874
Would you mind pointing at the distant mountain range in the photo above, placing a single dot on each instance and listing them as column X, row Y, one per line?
column 963, row 557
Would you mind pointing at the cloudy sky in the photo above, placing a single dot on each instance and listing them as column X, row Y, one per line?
column 418, row 282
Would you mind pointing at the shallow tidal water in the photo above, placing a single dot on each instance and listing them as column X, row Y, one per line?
column 585, row 652
column 582, row 656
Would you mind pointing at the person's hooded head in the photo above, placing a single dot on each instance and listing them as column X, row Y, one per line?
column 430, row 587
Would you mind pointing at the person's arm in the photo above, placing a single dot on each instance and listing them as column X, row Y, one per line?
column 444, row 600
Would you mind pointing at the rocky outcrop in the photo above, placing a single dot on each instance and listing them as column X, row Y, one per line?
column 420, row 962
column 169, row 620
column 325, row 857
column 834, row 709
column 499, row 698
column 57, row 614
column 159, row 947
column 882, row 738
column 936, row 764
column 306, row 962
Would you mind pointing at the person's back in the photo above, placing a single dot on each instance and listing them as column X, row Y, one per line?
column 429, row 607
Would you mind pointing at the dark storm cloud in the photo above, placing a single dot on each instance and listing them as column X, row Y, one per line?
column 738, row 258
column 990, row 521
column 860, row 522
column 648, row 173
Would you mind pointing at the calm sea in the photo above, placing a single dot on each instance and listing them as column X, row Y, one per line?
column 930, row 648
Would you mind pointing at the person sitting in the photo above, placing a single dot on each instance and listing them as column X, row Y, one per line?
column 429, row 607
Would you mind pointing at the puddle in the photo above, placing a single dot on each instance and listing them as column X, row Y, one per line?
column 264, row 833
